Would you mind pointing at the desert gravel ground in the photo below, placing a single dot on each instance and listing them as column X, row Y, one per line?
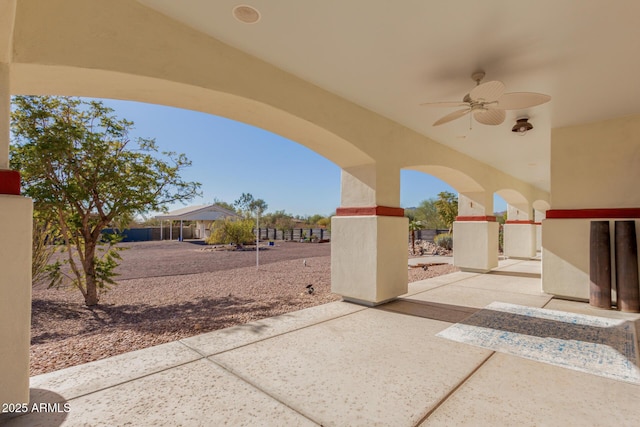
column 173, row 290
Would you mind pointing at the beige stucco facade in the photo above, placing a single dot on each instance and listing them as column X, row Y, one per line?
column 124, row 50
column 594, row 171
column 121, row 49
column 15, row 297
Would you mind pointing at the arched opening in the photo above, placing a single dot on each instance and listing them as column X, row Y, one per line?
column 230, row 157
column 474, row 239
column 456, row 179
column 519, row 234
column 293, row 162
column 419, row 195
column 515, row 199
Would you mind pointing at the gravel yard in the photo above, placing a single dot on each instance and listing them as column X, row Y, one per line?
column 172, row 290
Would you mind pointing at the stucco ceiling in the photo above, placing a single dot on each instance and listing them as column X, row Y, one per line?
column 392, row 56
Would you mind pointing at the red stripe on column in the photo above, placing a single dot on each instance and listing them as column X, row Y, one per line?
column 593, row 213
column 10, row 182
column 370, row 211
column 519, row 221
column 488, row 218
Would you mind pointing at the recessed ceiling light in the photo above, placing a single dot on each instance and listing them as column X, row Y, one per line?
column 246, row 14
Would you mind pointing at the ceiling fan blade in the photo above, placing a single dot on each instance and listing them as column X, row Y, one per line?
column 445, row 104
column 519, row 100
column 452, row 116
column 490, row 117
column 487, row 92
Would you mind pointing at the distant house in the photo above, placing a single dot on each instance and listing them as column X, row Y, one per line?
column 203, row 215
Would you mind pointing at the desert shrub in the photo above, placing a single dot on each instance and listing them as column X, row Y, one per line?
column 42, row 249
column 444, row 241
column 238, row 231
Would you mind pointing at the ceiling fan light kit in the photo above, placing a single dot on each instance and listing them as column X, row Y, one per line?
column 522, row 126
column 488, row 102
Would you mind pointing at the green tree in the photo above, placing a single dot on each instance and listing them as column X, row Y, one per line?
column 325, row 222
column 279, row 220
column 84, row 174
column 313, row 219
column 247, row 205
column 447, row 206
column 427, row 213
column 410, row 214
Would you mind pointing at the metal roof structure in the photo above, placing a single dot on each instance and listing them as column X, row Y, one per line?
column 198, row 213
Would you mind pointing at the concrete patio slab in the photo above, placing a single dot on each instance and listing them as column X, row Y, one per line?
column 344, row 364
column 506, row 281
column 429, row 310
column 509, row 390
column 241, row 335
column 521, row 266
column 427, row 284
column 457, row 294
column 198, row 393
column 380, row 368
column 79, row 380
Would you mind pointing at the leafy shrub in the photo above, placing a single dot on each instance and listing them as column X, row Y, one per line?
column 238, row 231
column 444, row 241
column 42, row 249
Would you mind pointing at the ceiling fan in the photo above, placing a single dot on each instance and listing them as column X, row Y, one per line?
column 488, row 102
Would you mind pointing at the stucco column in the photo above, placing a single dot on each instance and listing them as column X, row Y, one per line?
column 538, row 216
column 369, row 236
column 475, row 234
column 519, row 233
column 595, row 170
column 15, row 267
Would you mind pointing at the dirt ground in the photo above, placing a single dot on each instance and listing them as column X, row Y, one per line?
column 173, row 290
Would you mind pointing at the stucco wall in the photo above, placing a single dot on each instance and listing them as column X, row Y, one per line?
column 596, row 165
column 592, row 166
column 15, row 297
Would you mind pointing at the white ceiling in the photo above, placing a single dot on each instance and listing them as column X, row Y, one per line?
column 392, row 56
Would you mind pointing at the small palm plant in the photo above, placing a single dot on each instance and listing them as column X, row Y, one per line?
column 414, row 225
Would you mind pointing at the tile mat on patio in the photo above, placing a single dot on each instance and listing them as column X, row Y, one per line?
column 595, row 345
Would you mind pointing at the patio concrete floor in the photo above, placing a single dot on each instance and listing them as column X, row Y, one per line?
column 342, row 364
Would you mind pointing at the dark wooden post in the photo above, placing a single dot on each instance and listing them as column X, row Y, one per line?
column 600, row 265
column 627, row 286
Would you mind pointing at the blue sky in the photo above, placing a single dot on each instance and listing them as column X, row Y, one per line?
column 230, row 158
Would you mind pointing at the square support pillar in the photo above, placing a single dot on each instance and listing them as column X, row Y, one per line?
column 520, row 239
column 16, row 213
column 369, row 258
column 565, row 258
column 475, row 245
